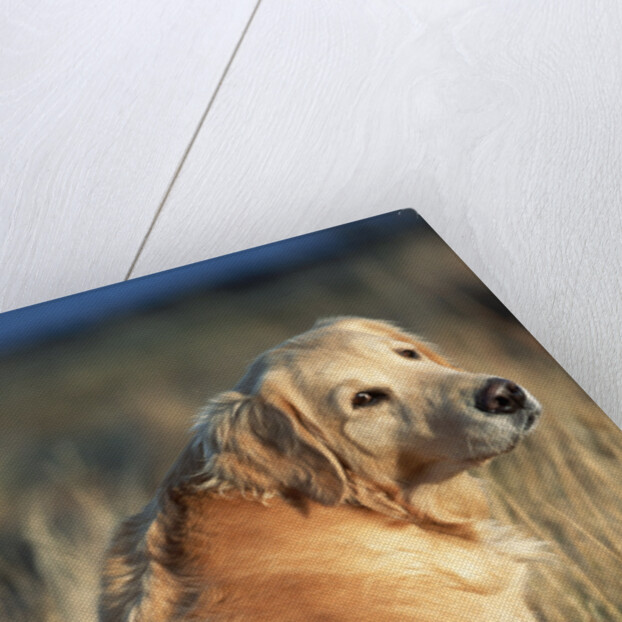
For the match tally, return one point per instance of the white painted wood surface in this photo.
(98, 102)
(500, 122)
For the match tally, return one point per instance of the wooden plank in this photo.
(499, 122)
(98, 102)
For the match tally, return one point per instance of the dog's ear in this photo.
(258, 445)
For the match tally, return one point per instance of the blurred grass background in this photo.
(90, 424)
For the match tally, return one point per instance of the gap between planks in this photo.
(184, 157)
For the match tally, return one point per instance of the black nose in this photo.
(500, 396)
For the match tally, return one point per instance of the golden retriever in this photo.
(332, 484)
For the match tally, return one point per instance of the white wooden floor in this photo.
(139, 136)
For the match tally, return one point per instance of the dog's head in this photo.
(356, 396)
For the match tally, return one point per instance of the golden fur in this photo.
(294, 502)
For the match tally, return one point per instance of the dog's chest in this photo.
(283, 563)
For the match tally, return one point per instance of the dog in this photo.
(332, 484)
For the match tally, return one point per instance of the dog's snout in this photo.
(500, 396)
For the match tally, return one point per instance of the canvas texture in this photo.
(343, 426)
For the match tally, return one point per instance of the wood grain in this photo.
(499, 122)
(98, 102)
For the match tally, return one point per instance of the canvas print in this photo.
(344, 426)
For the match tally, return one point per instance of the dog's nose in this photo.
(500, 396)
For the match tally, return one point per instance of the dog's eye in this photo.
(368, 398)
(408, 354)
